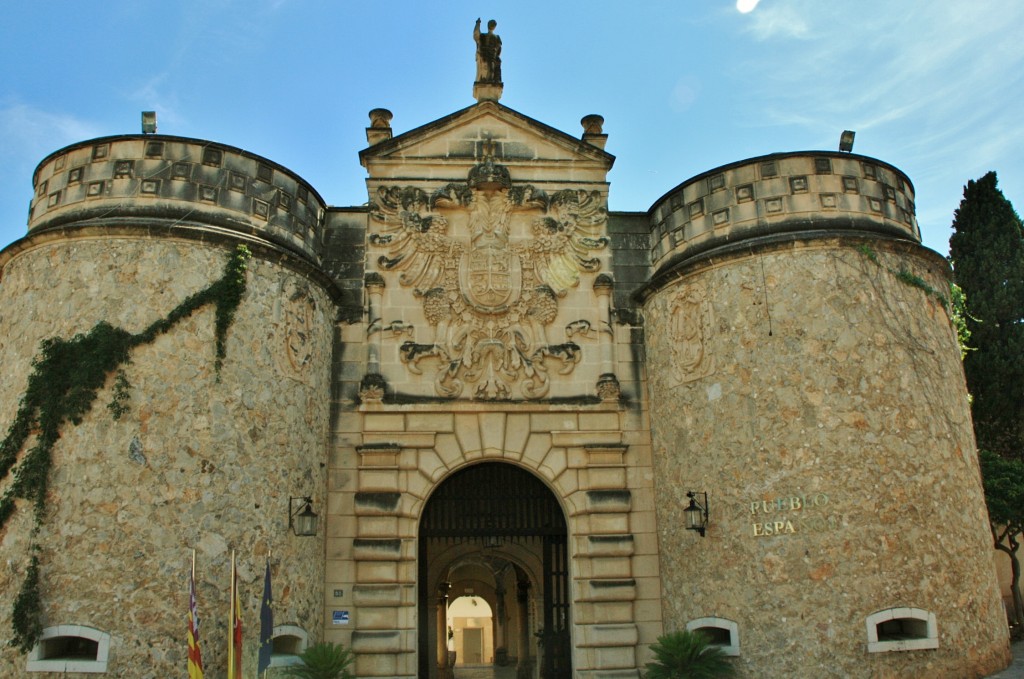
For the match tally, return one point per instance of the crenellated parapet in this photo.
(807, 191)
(177, 181)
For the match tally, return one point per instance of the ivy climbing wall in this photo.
(198, 459)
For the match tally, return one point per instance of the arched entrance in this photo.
(496, 531)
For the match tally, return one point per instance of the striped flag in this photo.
(195, 657)
(266, 625)
(235, 635)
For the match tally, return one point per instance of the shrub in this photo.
(688, 655)
(323, 661)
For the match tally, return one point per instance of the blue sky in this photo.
(935, 87)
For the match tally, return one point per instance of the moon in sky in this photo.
(746, 6)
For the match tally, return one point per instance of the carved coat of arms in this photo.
(691, 325)
(298, 310)
(488, 297)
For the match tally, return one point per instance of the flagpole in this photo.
(231, 622)
(269, 552)
(195, 658)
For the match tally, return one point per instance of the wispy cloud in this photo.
(927, 61)
(776, 21)
(926, 84)
(27, 132)
(152, 95)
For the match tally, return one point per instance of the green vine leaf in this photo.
(905, 276)
(27, 619)
(66, 377)
(118, 405)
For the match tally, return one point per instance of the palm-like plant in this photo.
(688, 655)
(322, 661)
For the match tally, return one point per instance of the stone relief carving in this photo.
(691, 322)
(298, 310)
(489, 297)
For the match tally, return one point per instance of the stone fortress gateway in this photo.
(490, 385)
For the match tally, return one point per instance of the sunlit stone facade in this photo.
(490, 385)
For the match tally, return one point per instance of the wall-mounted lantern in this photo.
(697, 513)
(302, 520)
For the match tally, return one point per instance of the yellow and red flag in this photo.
(195, 657)
(235, 633)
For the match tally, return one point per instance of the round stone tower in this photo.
(125, 231)
(804, 374)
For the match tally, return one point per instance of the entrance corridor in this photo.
(485, 672)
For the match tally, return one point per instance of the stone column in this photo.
(524, 670)
(444, 670)
(500, 651)
(607, 384)
(374, 324)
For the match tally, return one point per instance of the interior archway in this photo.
(494, 530)
(471, 627)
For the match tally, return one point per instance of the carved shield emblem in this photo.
(298, 316)
(491, 278)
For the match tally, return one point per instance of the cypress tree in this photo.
(987, 252)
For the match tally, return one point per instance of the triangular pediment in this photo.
(450, 146)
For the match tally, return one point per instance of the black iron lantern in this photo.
(697, 513)
(303, 520)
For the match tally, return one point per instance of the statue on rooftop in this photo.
(488, 53)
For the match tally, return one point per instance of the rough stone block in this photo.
(537, 448)
(592, 636)
(603, 477)
(604, 612)
(492, 431)
(551, 422)
(609, 545)
(517, 431)
(378, 595)
(377, 618)
(598, 422)
(467, 430)
(376, 549)
(608, 590)
(376, 526)
(585, 438)
(380, 480)
(608, 500)
(383, 422)
(609, 524)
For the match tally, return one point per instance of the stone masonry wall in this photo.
(814, 371)
(195, 463)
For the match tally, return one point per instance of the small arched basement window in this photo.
(723, 633)
(901, 629)
(289, 642)
(70, 648)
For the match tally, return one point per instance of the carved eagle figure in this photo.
(565, 237)
(563, 241)
(418, 244)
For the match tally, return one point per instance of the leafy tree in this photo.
(688, 655)
(958, 309)
(322, 661)
(1003, 480)
(987, 252)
